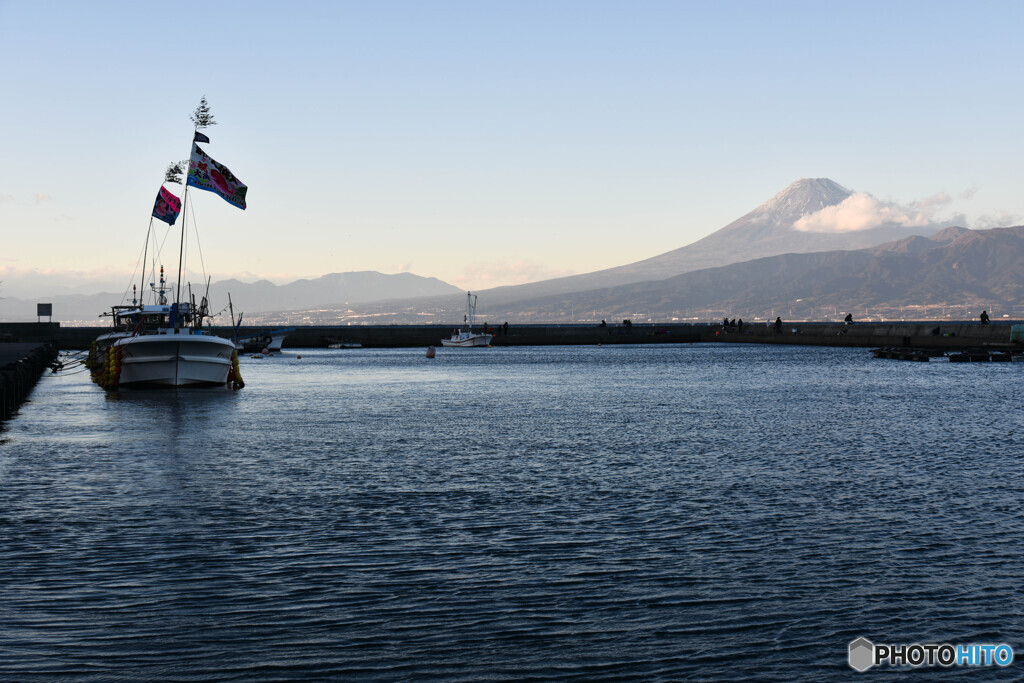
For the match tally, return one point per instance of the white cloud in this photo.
(43, 198)
(861, 211)
(1000, 220)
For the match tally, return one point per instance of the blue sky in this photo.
(486, 143)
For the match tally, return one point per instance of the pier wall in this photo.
(931, 335)
(925, 335)
(21, 364)
(394, 336)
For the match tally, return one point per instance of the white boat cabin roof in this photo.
(134, 311)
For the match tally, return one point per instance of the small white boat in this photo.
(467, 337)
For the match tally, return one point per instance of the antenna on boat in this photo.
(162, 292)
(204, 303)
(202, 117)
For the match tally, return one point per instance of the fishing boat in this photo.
(164, 344)
(259, 340)
(466, 336)
(263, 340)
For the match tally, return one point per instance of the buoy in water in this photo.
(298, 357)
(431, 352)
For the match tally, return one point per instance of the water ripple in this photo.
(606, 513)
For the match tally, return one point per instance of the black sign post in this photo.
(44, 309)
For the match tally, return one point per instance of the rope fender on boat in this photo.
(234, 373)
(117, 367)
(90, 359)
(110, 374)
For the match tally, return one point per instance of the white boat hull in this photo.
(174, 360)
(464, 340)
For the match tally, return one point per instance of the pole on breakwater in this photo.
(20, 368)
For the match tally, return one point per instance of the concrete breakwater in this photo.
(20, 368)
(395, 336)
(922, 335)
(928, 335)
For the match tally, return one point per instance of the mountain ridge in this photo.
(955, 269)
(767, 230)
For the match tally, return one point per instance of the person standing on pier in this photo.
(984, 317)
(778, 324)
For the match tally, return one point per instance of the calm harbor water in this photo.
(591, 513)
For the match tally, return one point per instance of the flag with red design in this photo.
(207, 174)
(167, 207)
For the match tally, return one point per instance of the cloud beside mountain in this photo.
(861, 211)
(812, 215)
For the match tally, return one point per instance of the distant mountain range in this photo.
(784, 257)
(960, 270)
(953, 273)
(768, 230)
(334, 290)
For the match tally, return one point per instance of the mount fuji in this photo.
(768, 230)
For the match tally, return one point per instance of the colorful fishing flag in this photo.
(167, 206)
(199, 137)
(207, 174)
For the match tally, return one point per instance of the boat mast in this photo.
(145, 253)
(201, 118)
(181, 255)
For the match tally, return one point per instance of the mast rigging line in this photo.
(199, 245)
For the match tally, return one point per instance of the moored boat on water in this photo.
(148, 349)
(261, 340)
(270, 340)
(165, 345)
(466, 337)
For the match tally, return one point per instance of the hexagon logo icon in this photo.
(862, 654)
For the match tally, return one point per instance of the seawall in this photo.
(21, 364)
(924, 335)
(930, 335)
(395, 336)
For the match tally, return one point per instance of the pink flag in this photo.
(167, 206)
